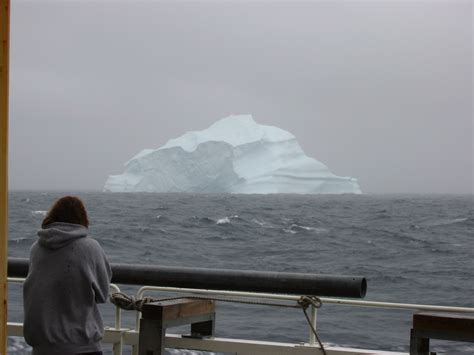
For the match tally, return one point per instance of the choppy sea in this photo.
(411, 249)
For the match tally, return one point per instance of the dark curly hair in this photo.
(68, 209)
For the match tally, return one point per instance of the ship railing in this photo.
(119, 336)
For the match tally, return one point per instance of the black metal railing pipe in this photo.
(223, 279)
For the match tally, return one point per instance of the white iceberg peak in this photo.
(235, 130)
(234, 154)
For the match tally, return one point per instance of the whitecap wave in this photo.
(17, 240)
(227, 219)
(224, 220)
(296, 227)
(39, 213)
(447, 222)
(262, 223)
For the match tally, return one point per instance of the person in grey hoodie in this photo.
(68, 277)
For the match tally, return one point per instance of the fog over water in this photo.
(381, 91)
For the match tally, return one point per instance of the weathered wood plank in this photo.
(173, 309)
(4, 87)
(151, 338)
(157, 316)
(445, 322)
(441, 325)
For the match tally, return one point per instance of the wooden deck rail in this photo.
(4, 80)
(442, 325)
(158, 316)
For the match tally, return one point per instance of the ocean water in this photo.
(411, 249)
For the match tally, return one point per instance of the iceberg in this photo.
(233, 155)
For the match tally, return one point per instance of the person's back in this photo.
(68, 276)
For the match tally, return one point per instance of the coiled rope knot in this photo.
(129, 303)
(306, 301)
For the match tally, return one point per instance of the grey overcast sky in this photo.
(381, 91)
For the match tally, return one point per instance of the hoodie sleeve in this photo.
(102, 275)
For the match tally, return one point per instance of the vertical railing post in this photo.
(313, 318)
(4, 76)
(117, 347)
(137, 329)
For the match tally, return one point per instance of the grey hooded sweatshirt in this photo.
(68, 276)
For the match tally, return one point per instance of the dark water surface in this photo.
(411, 249)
